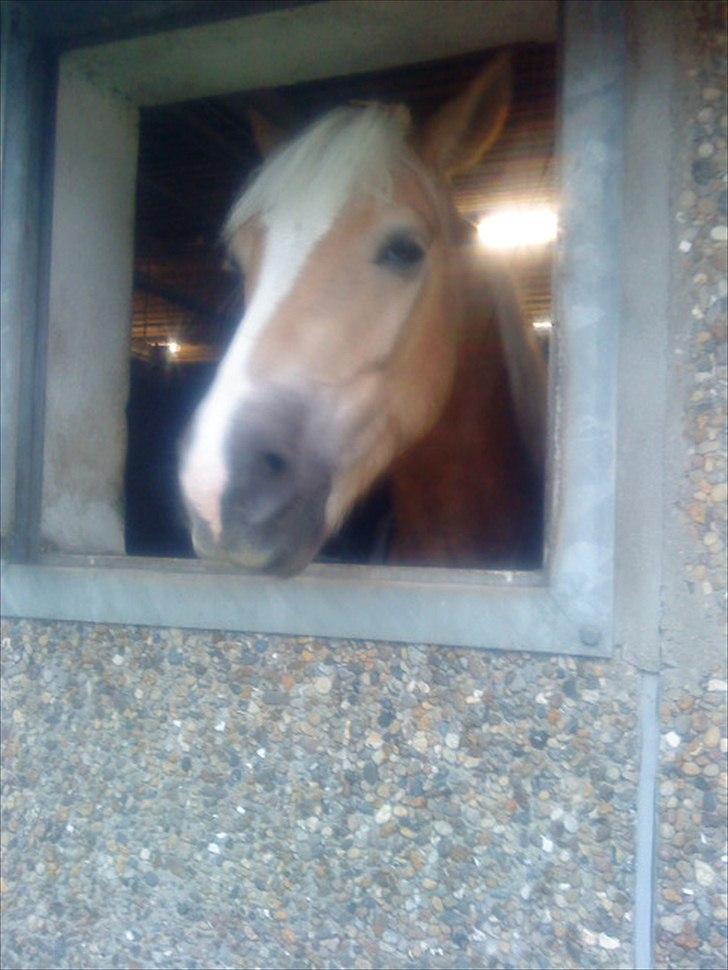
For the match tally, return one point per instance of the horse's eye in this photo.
(400, 253)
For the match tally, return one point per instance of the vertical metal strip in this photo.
(587, 290)
(30, 97)
(645, 828)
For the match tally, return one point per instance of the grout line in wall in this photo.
(645, 826)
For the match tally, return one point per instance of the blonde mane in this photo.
(349, 150)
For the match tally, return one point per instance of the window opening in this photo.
(188, 300)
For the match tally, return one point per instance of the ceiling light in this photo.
(518, 227)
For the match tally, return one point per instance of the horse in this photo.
(376, 342)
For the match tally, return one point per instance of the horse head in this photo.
(346, 352)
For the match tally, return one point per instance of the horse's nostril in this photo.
(274, 463)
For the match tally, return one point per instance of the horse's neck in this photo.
(492, 287)
(466, 494)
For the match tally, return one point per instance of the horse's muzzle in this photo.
(271, 514)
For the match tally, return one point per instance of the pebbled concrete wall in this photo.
(180, 799)
(691, 855)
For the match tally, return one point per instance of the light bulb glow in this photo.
(518, 227)
(173, 347)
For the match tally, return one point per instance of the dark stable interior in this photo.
(193, 159)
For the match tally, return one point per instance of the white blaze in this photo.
(205, 474)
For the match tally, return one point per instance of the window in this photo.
(193, 159)
(77, 569)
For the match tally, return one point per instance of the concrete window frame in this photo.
(64, 555)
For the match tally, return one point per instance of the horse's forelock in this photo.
(349, 150)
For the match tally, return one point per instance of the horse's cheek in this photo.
(421, 389)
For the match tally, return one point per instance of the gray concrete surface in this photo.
(88, 328)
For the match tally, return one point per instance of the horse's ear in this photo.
(463, 130)
(266, 134)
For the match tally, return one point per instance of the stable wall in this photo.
(177, 798)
